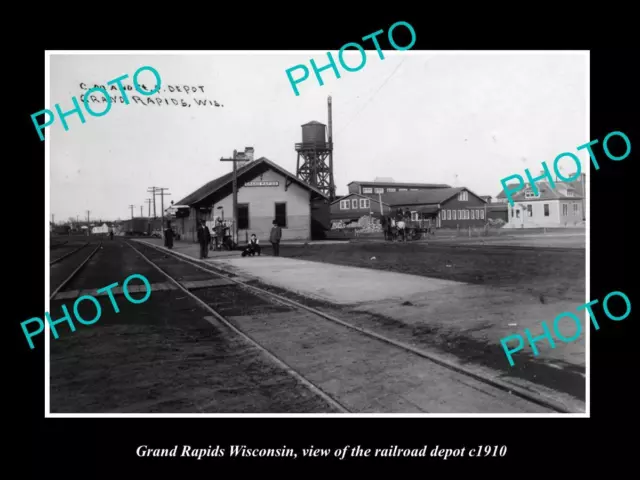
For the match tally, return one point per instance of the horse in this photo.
(401, 230)
(388, 228)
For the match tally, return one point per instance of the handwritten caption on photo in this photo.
(340, 453)
(67, 317)
(363, 60)
(116, 81)
(191, 91)
(556, 323)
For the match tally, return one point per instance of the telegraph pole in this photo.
(131, 207)
(88, 212)
(153, 191)
(148, 200)
(162, 194)
(53, 218)
(141, 215)
(235, 193)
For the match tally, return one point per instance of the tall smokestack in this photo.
(332, 188)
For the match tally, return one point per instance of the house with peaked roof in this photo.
(448, 207)
(562, 206)
(266, 192)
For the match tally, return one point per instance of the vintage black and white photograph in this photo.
(226, 237)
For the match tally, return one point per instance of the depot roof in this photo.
(217, 184)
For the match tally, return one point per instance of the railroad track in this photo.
(58, 244)
(78, 268)
(68, 254)
(353, 369)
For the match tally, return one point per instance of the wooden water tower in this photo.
(316, 153)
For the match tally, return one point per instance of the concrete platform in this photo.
(333, 283)
(485, 314)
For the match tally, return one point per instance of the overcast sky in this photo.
(414, 116)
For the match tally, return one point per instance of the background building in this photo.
(497, 211)
(449, 207)
(563, 205)
(551, 207)
(354, 206)
(387, 185)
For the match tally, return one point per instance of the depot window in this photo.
(243, 216)
(281, 214)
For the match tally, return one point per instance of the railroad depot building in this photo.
(266, 192)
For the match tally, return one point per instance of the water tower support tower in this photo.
(313, 152)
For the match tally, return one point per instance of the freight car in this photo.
(137, 226)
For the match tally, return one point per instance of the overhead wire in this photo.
(372, 96)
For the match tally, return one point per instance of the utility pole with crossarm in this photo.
(235, 159)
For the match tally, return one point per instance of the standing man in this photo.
(168, 236)
(274, 238)
(204, 237)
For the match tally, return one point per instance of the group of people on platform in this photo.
(221, 239)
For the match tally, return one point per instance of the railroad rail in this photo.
(78, 268)
(374, 344)
(58, 244)
(68, 254)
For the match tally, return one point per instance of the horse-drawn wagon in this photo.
(406, 229)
